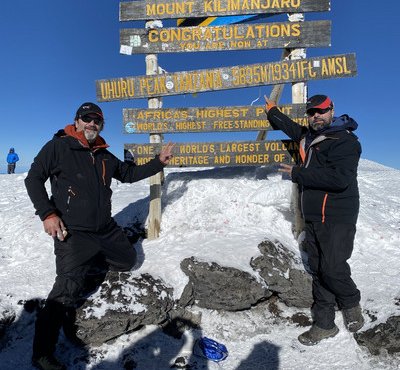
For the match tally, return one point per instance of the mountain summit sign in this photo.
(164, 9)
(335, 66)
(227, 37)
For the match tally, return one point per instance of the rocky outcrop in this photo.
(384, 337)
(225, 288)
(220, 288)
(123, 303)
(283, 274)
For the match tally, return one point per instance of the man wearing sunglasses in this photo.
(78, 217)
(327, 179)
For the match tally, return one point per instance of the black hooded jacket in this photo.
(80, 179)
(328, 176)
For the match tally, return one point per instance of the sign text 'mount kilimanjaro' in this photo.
(163, 9)
(208, 119)
(227, 37)
(335, 66)
(239, 153)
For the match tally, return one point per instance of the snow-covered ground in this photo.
(218, 215)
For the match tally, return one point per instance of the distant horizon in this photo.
(25, 168)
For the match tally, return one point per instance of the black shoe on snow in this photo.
(47, 363)
(353, 318)
(316, 334)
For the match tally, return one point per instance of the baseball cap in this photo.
(319, 102)
(87, 108)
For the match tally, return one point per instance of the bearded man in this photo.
(327, 180)
(77, 216)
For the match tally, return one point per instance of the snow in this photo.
(217, 215)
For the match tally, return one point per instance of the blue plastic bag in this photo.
(210, 349)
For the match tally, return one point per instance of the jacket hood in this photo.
(343, 122)
(70, 130)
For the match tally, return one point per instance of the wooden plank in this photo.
(243, 153)
(335, 66)
(208, 119)
(164, 9)
(232, 37)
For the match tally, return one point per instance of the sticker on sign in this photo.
(125, 49)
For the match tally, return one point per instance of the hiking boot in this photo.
(316, 334)
(70, 328)
(76, 341)
(353, 318)
(70, 335)
(47, 363)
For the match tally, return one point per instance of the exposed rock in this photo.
(123, 303)
(220, 288)
(6, 319)
(385, 336)
(179, 321)
(300, 319)
(283, 274)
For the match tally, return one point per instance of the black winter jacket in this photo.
(328, 176)
(80, 180)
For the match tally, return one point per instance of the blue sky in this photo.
(53, 52)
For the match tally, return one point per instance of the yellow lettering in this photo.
(176, 8)
(334, 66)
(222, 159)
(235, 5)
(117, 89)
(252, 159)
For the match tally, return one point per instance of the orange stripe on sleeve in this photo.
(104, 172)
(323, 207)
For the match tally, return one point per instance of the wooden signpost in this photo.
(209, 119)
(228, 38)
(335, 66)
(164, 9)
(237, 153)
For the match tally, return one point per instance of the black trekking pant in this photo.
(11, 168)
(329, 246)
(73, 261)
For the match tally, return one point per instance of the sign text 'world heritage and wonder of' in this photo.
(242, 153)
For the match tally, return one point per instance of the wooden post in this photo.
(299, 95)
(275, 96)
(154, 218)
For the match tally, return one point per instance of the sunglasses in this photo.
(87, 119)
(311, 112)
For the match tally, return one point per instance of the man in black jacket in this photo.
(78, 217)
(327, 179)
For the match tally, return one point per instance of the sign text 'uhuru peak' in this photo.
(335, 66)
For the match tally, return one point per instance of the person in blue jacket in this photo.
(327, 180)
(12, 159)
